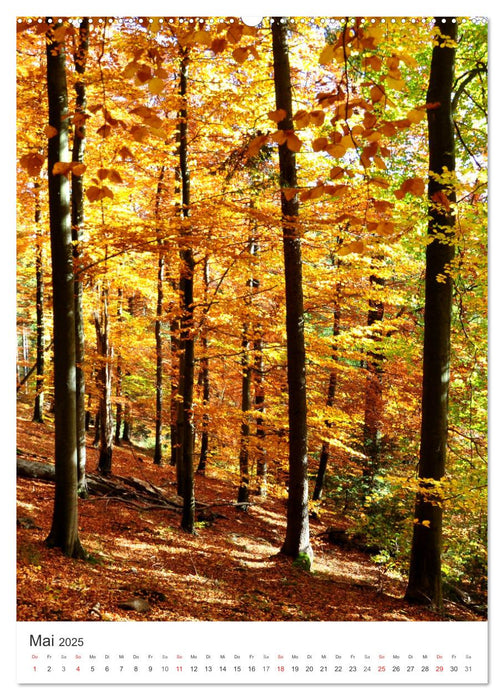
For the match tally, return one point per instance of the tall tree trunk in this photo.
(38, 410)
(373, 407)
(205, 380)
(77, 226)
(331, 393)
(104, 383)
(158, 451)
(243, 490)
(247, 367)
(259, 399)
(174, 383)
(185, 435)
(119, 404)
(424, 585)
(64, 528)
(297, 539)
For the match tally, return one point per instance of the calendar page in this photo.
(251, 369)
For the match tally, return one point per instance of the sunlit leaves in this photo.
(412, 185)
(32, 163)
(67, 169)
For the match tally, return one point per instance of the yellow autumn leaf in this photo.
(372, 62)
(327, 55)
(154, 24)
(114, 176)
(289, 193)
(50, 131)
(377, 93)
(294, 143)
(240, 54)
(302, 118)
(256, 144)
(32, 163)
(277, 115)
(78, 169)
(336, 150)
(279, 137)
(317, 117)
(353, 247)
(156, 86)
(415, 116)
(347, 141)
(395, 83)
(320, 143)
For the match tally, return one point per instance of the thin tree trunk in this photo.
(119, 404)
(243, 490)
(373, 405)
(77, 226)
(331, 393)
(158, 451)
(297, 539)
(38, 410)
(424, 585)
(64, 528)
(205, 380)
(104, 384)
(259, 399)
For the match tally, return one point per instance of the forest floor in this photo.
(229, 570)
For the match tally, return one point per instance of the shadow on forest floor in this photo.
(229, 570)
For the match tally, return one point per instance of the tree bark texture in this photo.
(158, 451)
(373, 404)
(331, 394)
(77, 227)
(205, 380)
(64, 528)
(424, 585)
(186, 387)
(297, 539)
(104, 384)
(38, 410)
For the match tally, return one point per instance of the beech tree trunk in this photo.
(158, 451)
(373, 407)
(331, 393)
(424, 585)
(297, 538)
(64, 528)
(205, 380)
(185, 431)
(38, 410)
(104, 384)
(77, 227)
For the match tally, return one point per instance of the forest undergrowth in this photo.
(142, 566)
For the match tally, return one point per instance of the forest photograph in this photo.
(251, 318)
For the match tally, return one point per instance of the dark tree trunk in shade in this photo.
(185, 423)
(38, 410)
(101, 321)
(331, 393)
(77, 227)
(297, 538)
(64, 527)
(424, 585)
